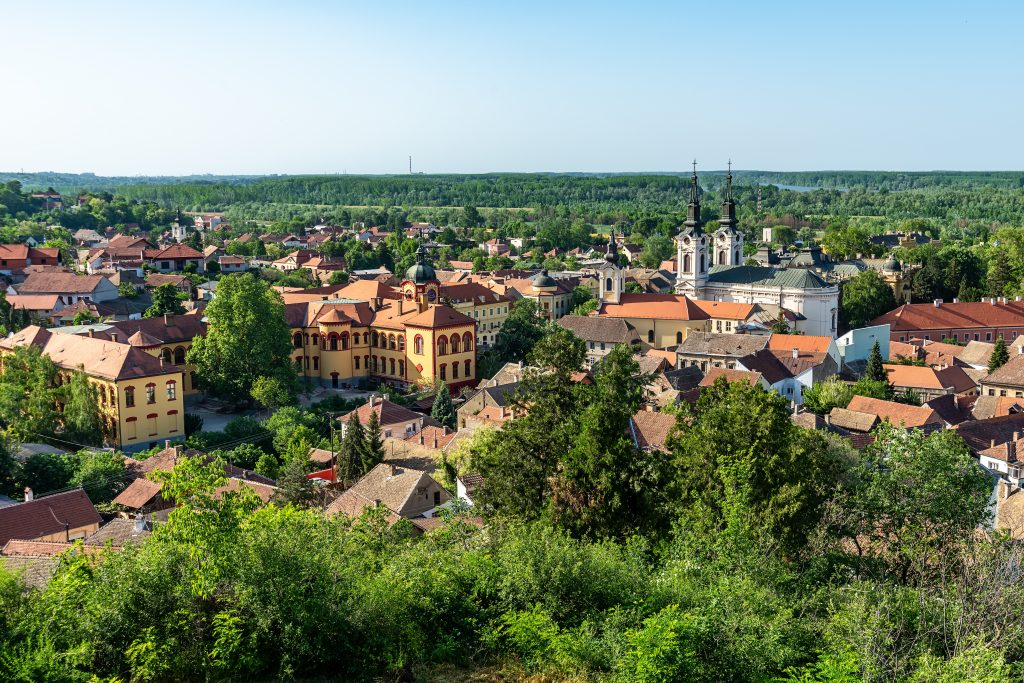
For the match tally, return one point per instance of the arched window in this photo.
(736, 261)
(373, 339)
(607, 284)
(721, 258)
(298, 362)
(307, 362)
(305, 339)
(401, 343)
(357, 362)
(150, 393)
(686, 263)
(166, 355)
(172, 390)
(392, 366)
(702, 267)
(650, 336)
(373, 363)
(444, 371)
(332, 341)
(455, 343)
(401, 368)
(455, 370)
(418, 344)
(391, 341)
(316, 339)
(366, 362)
(179, 355)
(297, 340)
(467, 342)
(469, 368)
(316, 362)
(442, 346)
(679, 337)
(344, 341)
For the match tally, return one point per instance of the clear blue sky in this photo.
(310, 87)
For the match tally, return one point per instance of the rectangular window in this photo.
(988, 336)
(150, 393)
(129, 429)
(152, 425)
(171, 391)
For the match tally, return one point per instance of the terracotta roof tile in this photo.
(654, 306)
(897, 413)
(652, 429)
(47, 515)
(963, 315)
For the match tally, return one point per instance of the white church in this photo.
(710, 267)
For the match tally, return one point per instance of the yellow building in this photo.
(487, 307)
(140, 395)
(409, 340)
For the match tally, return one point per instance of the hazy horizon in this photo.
(315, 87)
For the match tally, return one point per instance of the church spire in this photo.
(728, 219)
(693, 222)
(612, 253)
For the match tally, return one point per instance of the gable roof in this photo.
(174, 251)
(1011, 373)
(598, 329)
(852, 420)
(803, 342)
(982, 434)
(976, 353)
(60, 283)
(730, 375)
(919, 377)
(440, 316)
(654, 306)
(960, 315)
(390, 484)
(651, 429)
(721, 344)
(388, 413)
(897, 413)
(725, 309)
(47, 515)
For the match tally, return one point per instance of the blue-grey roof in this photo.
(796, 278)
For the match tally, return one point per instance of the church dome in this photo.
(421, 272)
(891, 266)
(544, 281)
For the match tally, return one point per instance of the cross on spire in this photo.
(695, 167)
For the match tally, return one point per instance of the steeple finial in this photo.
(694, 199)
(728, 183)
(612, 253)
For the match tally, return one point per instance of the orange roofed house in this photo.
(140, 396)
(412, 339)
(14, 258)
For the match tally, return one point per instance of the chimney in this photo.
(28, 495)
(161, 361)
(501, 412)
(421, 438)
(796, 353)
(992, 301)
(1016, 436)
(113, 337)
(956, 300)
(91, 332)
(938, 303)
(992, 443)
(392, 469)
(828, 420)
(167, 443)
(167, 320)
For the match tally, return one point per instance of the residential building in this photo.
(489, 406)
(175, 259)
(232, 264)
(650, 430)
(69, 287)
(601, 335)
(140, 397)
(495, 247)
(708, 350)
(395, 421)
(964, 321)
(982, 434)
(552, 296)
(403, 492)
(63, 517)
(794, 363)
(930, 382)
(976, 355)
(1007, 380)
(855, 346)
(897, 414)
(14, 258)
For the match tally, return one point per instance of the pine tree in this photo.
(350, 454)
(373, 444)
(293, 486)
(443, 410)
(998, 273)
(999, 355)
(874, 370)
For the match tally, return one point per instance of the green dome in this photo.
(420, 273)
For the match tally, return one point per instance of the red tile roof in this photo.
(47, 515)
(654, 306)
(897, 413)
(963, 315)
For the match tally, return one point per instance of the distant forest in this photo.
(948, 196)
